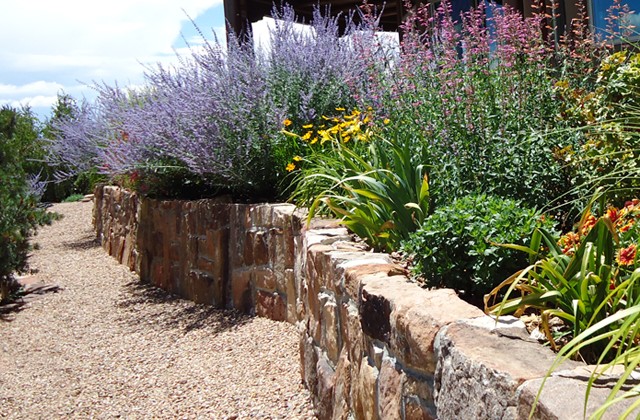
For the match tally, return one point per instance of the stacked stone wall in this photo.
(373, 345)
(115, 220)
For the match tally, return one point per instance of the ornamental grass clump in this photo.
(362, 177)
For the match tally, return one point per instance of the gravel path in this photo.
(105, 346)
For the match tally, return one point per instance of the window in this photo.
(599, 11)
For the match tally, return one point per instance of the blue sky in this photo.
(66, 45)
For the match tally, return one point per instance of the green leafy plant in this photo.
(73, 198)
(457, 246)
(368, 181)
(585, 277)
(19, 211)
(608, 119)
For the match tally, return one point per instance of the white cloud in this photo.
(32, 102)
(38, 94)
(55, 45)
(30, 89)
(79, 28)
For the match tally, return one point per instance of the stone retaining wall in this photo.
(373, 345)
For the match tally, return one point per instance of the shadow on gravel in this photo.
(7, 310)
(24, 296)
(82, 244)
(175, 313)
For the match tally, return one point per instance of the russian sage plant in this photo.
(213, 121)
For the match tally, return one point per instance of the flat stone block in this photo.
(241, 290)
(563, 398)
(271, 305)
(418, 315)
(354, 273)
(390, 384)
(265, 279)
(336, 261)
(479, 372)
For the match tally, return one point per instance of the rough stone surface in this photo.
(418, 397)
(375, 309)
(563, 398)
(342, 388)
(308, 363)
(326, 385)
(241, 293)
(416, 409)
(390, 383)
(470, 355)
(408, 317)
(271, 305)
(329, 325)
(365, 391)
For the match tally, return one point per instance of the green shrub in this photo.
(73, 198)
(608, 118)
(456, 246)
(19, 211)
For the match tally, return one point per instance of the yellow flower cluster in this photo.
(354, 126)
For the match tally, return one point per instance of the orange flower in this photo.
(588, 224)
(626, 227)
(290, 167)
(627, 255)
(613, 214)
(569, 243)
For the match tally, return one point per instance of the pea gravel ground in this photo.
(105, 346)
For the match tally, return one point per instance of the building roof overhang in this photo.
(240, 13)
